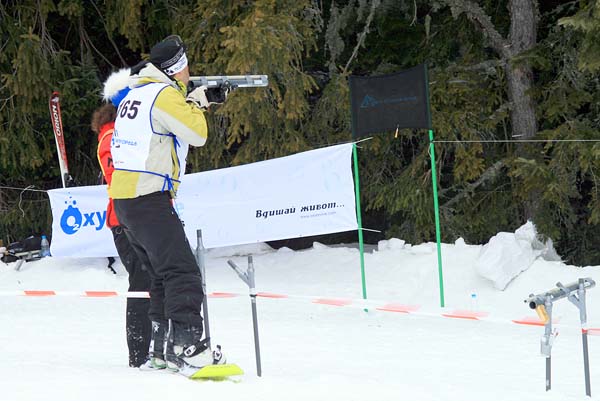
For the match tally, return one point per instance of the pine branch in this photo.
(108, 35)
(487, 175)
(363, 35)
(475, 13)
(46, 40)
(89, 44)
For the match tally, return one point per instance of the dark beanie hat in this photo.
(169, 55)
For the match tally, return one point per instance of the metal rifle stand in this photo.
(579, 301)
(201, 265)
(546, 343)
(542, 303)
(248, 278)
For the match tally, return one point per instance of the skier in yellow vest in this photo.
(155, 122)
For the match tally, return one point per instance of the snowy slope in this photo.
(69, 347)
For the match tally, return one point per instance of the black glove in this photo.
(219, 94)
(70, 181)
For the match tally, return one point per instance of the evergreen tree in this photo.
(491, 77)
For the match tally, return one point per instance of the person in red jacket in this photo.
(138, 324)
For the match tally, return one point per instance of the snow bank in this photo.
(391, 244)
(506, 255)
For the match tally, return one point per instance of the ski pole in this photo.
(200, 261)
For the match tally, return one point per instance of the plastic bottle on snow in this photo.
(45, 247)
(474, 306)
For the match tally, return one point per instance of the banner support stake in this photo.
(436, 207)
(359, 221)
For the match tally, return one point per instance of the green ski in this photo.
(217, 372)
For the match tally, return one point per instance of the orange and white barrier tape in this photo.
(337, 302)
(89, 294)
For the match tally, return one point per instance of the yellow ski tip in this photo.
(218, 371)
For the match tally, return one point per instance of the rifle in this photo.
(218, 86)
(230, 81)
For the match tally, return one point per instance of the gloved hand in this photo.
(198, 96)
(218, 95)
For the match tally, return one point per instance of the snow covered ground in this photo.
(68, 347)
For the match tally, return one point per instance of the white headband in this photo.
(178, 66)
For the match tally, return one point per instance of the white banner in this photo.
(309, 193)
(78, 222)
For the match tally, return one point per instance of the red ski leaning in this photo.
(57, 127)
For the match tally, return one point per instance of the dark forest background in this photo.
(499, 70)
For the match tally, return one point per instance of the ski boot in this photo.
(187, 353)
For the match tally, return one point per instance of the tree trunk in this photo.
(522, 37)
(523, 33)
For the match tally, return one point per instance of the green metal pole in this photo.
(438, 235)
(436, 207)
(359, 220)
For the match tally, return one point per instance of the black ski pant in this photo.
(138, 327)
(156, 233)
